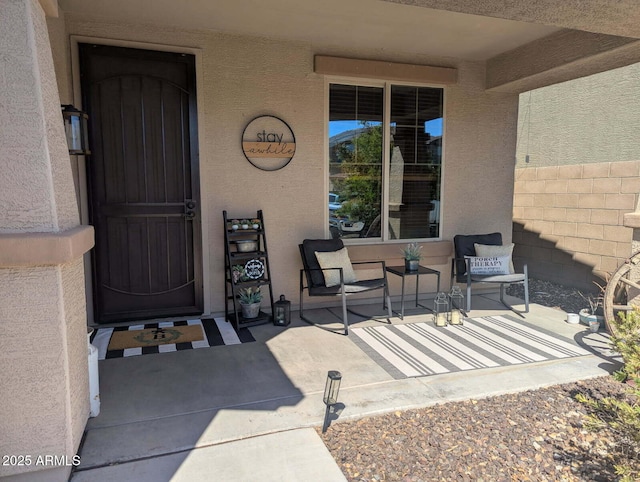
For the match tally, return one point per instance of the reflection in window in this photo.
(355, 159)
(357, 163)
(415, 157)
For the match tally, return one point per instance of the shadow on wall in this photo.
(548, 262)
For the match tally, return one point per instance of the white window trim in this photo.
(386, 120)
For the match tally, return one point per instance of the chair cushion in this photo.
(356, 287)
(309, 248)
(336, 259)
(503, 278)
(486, 250)
(486, 265)
(464, 246)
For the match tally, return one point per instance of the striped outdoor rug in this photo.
(214, 332)
(422, 349)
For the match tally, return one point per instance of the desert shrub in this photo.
(622, 416)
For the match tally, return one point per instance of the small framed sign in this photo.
(254, 269)
(268, 143)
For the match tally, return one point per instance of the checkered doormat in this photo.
(166, 337)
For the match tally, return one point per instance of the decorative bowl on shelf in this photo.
(246, 245)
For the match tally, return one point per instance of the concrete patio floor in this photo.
(247, 412)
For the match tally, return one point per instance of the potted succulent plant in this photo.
(244, 224)
(238, 272)
(412, 255)
(593, 316)
(250, 299)
(235, 224)
(255, 223)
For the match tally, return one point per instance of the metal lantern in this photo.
(456, 302)
(330, 398)
(76, 129)
(441, 309)
(282, 312)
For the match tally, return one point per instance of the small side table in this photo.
(403, 273)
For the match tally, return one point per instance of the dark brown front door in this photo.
(143, 182)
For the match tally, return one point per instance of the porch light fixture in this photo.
(282, 312)
(456, 302)
(330, 398)
(76, 129)
(441, 309)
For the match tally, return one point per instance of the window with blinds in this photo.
(372, 153)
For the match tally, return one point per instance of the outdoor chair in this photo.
(482, 258)
(328, 271)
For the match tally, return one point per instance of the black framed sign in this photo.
(268, 143)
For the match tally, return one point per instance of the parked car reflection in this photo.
(340, 226)
(334, 202)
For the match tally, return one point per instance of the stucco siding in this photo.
(591, 120)
(75, 323)
(43, 350)
(34, 410)
(243, 77)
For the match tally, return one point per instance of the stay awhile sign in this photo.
(268, 143)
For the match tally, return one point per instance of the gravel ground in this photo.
(547, 293)
(531, 436)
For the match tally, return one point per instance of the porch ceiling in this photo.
(526, 45)
(356, 24)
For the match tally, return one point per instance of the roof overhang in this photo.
(525, 44)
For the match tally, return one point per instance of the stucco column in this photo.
(43, 346)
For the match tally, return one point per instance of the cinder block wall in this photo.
(568, 219)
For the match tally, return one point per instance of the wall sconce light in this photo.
(330, 398)
(76, 129)
(282, 312)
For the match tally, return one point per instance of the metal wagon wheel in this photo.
(618, 294)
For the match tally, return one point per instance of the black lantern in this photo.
(330, 398)
(76, 129)
(282, 312)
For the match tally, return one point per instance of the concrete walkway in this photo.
(250, 412)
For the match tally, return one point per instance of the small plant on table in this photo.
(412, 255)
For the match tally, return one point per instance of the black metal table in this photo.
(403, 273)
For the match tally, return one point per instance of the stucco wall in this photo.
(43, 347)
(577, 175)
(590, 120)
(43, 362)
(242, 77)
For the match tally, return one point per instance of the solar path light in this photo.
(330, 398)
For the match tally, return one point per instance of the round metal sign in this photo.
(268, 143)
(254, 269)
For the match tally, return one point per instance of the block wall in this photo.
(568, 220)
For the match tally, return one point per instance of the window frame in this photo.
(386, 156)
